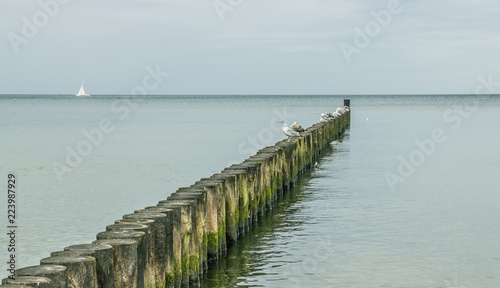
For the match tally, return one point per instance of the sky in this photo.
(248, 46)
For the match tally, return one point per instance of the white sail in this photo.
(81, 92)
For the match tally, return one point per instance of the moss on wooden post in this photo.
(210, 239)
(173, 273)
(215, 190)
(200, 196)
(190, 259)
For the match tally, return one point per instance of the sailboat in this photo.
(81, 92)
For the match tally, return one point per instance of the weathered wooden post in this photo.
(258, 201)
(139, 237)
(248, 200)
(267, 161)
(79, 253)
(190, 257)
(103, 255)
(200, 196)
(82, 271)
(232, 201)
(148, 277)
(124, 261)
(159, 233)
(347, 102)
(58, 274)
(273, 155)
(173, 241)
(216, 236)
(243, 212)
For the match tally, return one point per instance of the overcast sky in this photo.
(249, 46)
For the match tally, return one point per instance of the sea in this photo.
(410, 198)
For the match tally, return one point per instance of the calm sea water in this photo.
(409, 199)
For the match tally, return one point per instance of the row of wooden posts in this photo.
(172, 244)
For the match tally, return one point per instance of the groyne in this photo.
(173, 243)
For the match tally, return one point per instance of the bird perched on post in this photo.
(297, 128)
(289, 131)
(324, 118)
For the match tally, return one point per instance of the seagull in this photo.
(324, 118)
(340, 110)
(297, 128)
(336, 142)
(289, 131)
(330, 115)
(346, 108)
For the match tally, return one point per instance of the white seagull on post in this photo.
(297, 128)
(289, 131)
(325, 117)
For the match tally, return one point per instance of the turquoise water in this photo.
(359, 220)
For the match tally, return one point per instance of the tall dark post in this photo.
(347, 102)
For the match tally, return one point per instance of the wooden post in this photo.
(148, 277)
(200, 196)
(347, 102)
(141, 250)
(103, 255)
(58, 274)
(159, 232)
(124, 261)
(190, 257)
(216, 230)
(81, 270)
(173, 241)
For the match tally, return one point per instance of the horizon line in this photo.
(381, 94)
